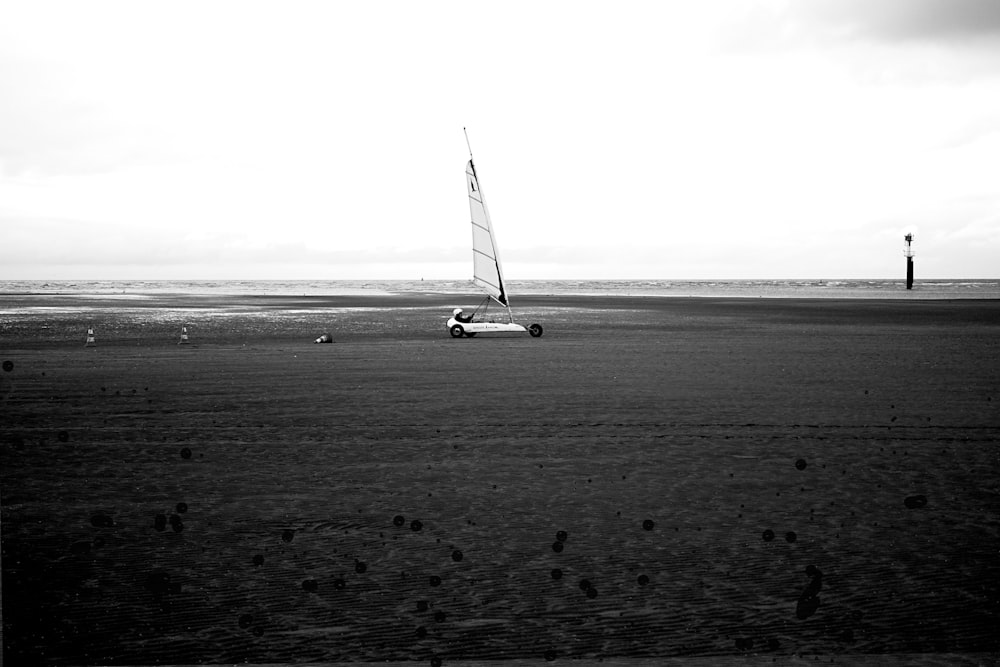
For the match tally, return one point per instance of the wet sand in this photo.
(732, 477)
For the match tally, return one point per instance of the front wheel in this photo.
(457, 331)
(535, 330)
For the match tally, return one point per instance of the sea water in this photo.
(818, 288)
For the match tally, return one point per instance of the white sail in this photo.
(486, 260)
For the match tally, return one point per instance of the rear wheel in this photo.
(457, 331)
(535, 330)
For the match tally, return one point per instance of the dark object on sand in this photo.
(809, 598)
(325, 338)
(915, 502)
(158, 583)
(8, 366)
(81, 548)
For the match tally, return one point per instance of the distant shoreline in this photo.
(518, 289)
(11, 302)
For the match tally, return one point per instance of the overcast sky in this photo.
(323, 140)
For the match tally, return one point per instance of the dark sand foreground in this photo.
(775, 478)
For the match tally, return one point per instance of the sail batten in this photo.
(487, 273)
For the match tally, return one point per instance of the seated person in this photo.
(459, 317)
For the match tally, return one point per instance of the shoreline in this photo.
(382, 299)
(376, 295)
(747, 288)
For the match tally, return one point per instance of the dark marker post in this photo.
(908, 253)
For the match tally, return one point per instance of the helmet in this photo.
(457, 311)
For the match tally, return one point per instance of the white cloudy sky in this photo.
(708, 139)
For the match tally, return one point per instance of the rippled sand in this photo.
(653, 478)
